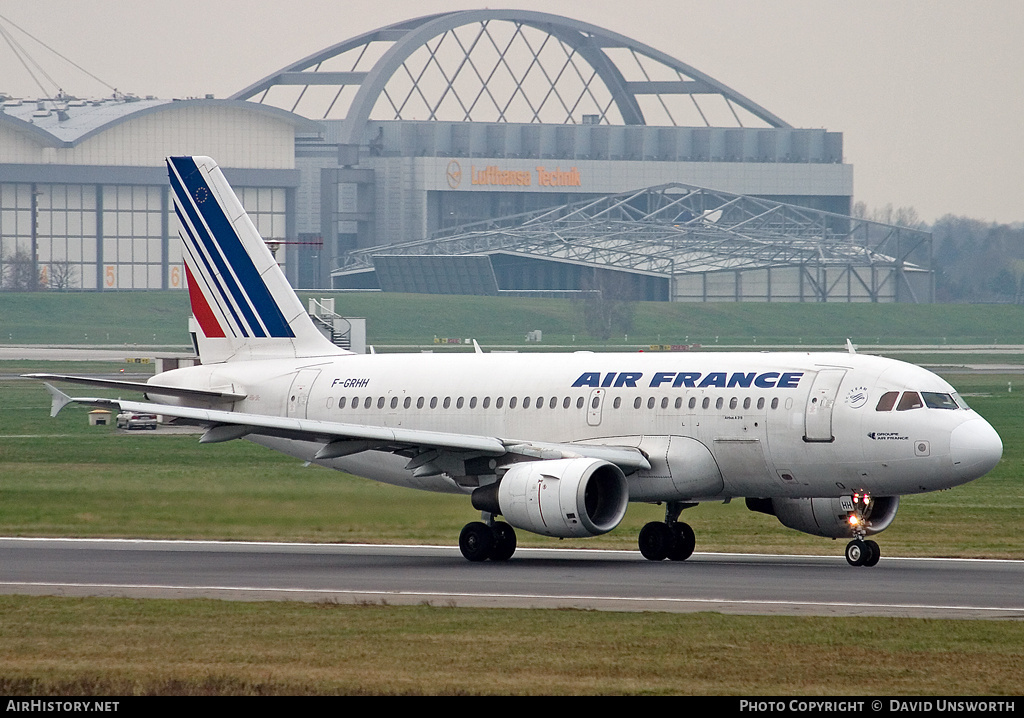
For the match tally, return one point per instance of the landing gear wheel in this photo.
(685, 540)
(476, 541)
(862, 553)
(857, 552)
(876, 553)
(657, 541)
(504, 541)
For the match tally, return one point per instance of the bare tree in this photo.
(62, 275)
(19, 273)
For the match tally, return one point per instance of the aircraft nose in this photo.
(975, 448)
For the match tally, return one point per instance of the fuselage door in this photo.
(820, 402)
(594, 407)
(298, 395)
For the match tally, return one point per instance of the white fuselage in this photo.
(713, 425)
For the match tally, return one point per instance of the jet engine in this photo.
(566, 498)
(827, 517)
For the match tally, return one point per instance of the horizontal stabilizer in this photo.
(58, 399)
(206, 395)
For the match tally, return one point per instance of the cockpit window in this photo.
(935, 400)
(887, 401)
(960, 401)
(909, 400)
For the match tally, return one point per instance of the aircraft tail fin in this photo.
(242, 303)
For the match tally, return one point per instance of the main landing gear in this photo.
(861, 552)
(495, 540)
(670, 539)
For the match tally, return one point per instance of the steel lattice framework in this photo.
(502, 66)
(676, 229)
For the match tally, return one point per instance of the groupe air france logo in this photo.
(453, 174)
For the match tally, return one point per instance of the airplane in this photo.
(557, 444)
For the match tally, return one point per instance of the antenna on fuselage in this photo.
(849, 346)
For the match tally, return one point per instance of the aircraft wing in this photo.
(207, 395)
(341, 439)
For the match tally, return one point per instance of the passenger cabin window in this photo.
(887, 401)
(909, 400)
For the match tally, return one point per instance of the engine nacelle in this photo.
(566, 498)
(826, 517)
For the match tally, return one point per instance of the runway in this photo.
(534, 578)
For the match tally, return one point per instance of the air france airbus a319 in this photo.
(556, 444)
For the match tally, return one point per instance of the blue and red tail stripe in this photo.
(223, 258)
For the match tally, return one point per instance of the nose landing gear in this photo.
(861, 552)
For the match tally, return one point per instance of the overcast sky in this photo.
(929, 94)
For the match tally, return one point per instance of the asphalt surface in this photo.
(533, 578)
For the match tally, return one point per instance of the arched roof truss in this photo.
(502, 66)
(677, 228)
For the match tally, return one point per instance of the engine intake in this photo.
(565, 498)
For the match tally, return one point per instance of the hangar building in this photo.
(382, 148)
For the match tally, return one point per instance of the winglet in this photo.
(58, 399)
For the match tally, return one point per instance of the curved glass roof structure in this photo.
(503, 66)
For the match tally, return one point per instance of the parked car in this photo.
(132, 420)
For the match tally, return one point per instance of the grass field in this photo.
(133, 647)
(59, 477)
(160, 318)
